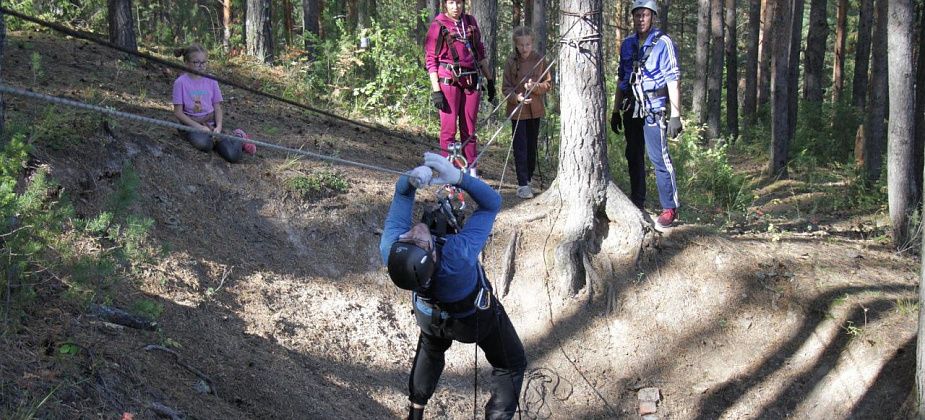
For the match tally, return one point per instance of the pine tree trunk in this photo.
(780, 89)
(352, 21)
(796, 41)
(288, 22)
(486, 14)
(363, 15)
(701, 60)
(517, 12)
(765, 48)
(259, 38)
(813, 77)
(750, 96)
(311, 13)
(900, 178)
(226, 25)
(596, 221)
(920, 111)
(862, 56)
(121, 24)
(732, 71)
(875, 121)
(528, 12)
(841, 37)
(2, 50)
(715, 77)
(665, 24)
(540, 26)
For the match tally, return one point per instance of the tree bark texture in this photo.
(311, 14)
(732, 71)
(765, 46)
(486, 14)
(259, 37)
(900, 145)
(528, 12)
(121, 24)
(841, 37)
(540, 28)
(920, 110)
(517, 13)
(796, 40)
(814, 67)
(664, 22)
(701, 60)
(2, 50)
(875, 122)
(226, 25)
(352, 14)
(780, 89)
(862, 56)
(288, 21)
(715, 76)
(596, 222)
(750, 96)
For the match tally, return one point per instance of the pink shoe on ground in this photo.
(249, 148)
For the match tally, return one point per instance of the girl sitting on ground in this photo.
(197, 102)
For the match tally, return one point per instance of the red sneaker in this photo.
(248, 147)
(667, 218)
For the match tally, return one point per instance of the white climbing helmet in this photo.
(648, 4)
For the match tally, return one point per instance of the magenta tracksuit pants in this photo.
(464, 110)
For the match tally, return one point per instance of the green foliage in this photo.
(148, 308)
(705, 177)
(37, 71)
(44, 240)
(825, 134)
(319, 184)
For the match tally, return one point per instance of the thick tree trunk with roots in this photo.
(900, 146)
(598, 228)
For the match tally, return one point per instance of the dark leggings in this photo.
(492, 330)
(229, 150)
(525, 135)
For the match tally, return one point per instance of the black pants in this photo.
(635, 157)
(492, 330)
(525, 135)
(228, 149)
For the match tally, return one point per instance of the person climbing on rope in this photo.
(438, 259)
(648, 103)
(197, 102)
(454, 56)
(526, 81)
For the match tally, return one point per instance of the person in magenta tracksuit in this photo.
(455, 60)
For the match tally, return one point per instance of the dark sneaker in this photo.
(667, 218)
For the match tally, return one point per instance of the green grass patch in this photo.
(321, 184)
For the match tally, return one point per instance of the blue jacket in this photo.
(456, 273)
(660, 68)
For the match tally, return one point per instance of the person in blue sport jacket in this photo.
(451, 296)
(648, 103)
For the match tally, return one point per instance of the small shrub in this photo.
(148, 308)
(320, 184)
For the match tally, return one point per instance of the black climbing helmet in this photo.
(410, 266)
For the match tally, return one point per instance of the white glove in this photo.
(446, 172)
(420, 176)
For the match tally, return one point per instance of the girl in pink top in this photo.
(455, 57)
(197, 102)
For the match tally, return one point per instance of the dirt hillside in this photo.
(280, 303)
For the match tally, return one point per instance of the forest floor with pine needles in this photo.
(272, 301)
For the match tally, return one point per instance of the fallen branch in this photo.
(118, 316)
(176, 359)
(508, 263)
(166, 412)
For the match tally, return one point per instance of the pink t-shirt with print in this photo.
(196, 95)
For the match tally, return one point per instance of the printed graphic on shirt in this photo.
(197, 95)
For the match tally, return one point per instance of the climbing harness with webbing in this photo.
(462, 77)
(643, 99)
